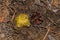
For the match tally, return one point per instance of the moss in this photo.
(22, 20)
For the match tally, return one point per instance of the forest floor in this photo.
(44, 16)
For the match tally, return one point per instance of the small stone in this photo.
(2, 35)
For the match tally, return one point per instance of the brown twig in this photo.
(51, 21)
(46, 33)
(13, 14)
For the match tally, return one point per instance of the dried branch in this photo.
(46, 33)
(51, 21)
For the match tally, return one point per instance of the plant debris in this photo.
(42, 17)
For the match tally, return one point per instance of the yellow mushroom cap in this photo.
(22, 20)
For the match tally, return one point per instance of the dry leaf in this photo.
(3, 14)
(54, 3)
